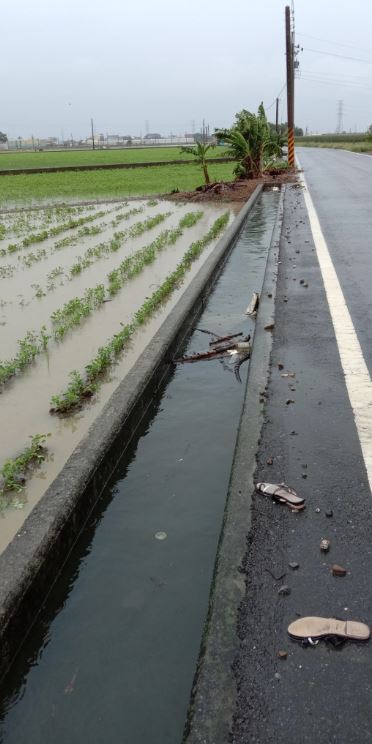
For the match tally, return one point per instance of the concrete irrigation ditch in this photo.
(30, 564)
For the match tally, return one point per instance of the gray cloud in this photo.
(174, 63)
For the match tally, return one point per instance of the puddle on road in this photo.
(120, 632)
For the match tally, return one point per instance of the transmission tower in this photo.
(340, 117)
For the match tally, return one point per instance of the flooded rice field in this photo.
(70, 279)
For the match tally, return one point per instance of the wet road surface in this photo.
(317, 694)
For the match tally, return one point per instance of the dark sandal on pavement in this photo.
(282, 493)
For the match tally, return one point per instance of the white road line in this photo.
(357, 377)
(363, 154)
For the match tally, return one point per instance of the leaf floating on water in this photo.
(160, 535)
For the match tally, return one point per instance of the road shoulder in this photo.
(317, 694)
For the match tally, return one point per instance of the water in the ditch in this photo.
(112, 657)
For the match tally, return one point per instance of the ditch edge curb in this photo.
(213, 696)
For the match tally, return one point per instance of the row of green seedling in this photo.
(14, 472)
(50, 233)
(73, 312)
(43, 218)
(96, 252)
(83, 386)
(33, 257)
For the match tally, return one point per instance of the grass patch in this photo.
(43, 187)
(84, 386)
(13, 160)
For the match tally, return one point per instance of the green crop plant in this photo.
(2, 231)
(72, 312)
(39, 292)
(28, 348)
(190, 219)
(76, 390)
(14, 471)
(34, 238)
(81, 387)
(97, 251)
(120, 217)
(52, 232)
(31, 258)
(6, 271)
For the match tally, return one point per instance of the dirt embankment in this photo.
(236, 191)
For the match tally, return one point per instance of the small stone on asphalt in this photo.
(338, 570)
(282, 654)
(325, 545)
(284, 590)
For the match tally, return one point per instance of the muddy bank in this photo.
(235, 191)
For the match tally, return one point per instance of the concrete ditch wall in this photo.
(214, 691)
(31, 563)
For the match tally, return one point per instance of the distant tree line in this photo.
(283, 129)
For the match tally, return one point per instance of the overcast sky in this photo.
(171, 64)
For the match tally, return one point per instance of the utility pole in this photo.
(91, 124)
(290, 86)
(277, 115)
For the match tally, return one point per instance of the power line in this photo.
(335, 43)
(267, 108)
(340, 76)
(333, 81)
(341, 56)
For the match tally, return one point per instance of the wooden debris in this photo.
(253, 305)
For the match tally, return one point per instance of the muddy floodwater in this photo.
(31, 289)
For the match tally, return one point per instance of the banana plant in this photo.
(199, 152)
(251, 143)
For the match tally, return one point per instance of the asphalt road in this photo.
(317, 694)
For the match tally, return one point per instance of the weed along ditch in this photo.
(112, 654)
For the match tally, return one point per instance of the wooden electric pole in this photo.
(277, 115)
(92, 126)
(290, 86)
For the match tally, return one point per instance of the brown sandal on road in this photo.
(324, 627)
(282, 493)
